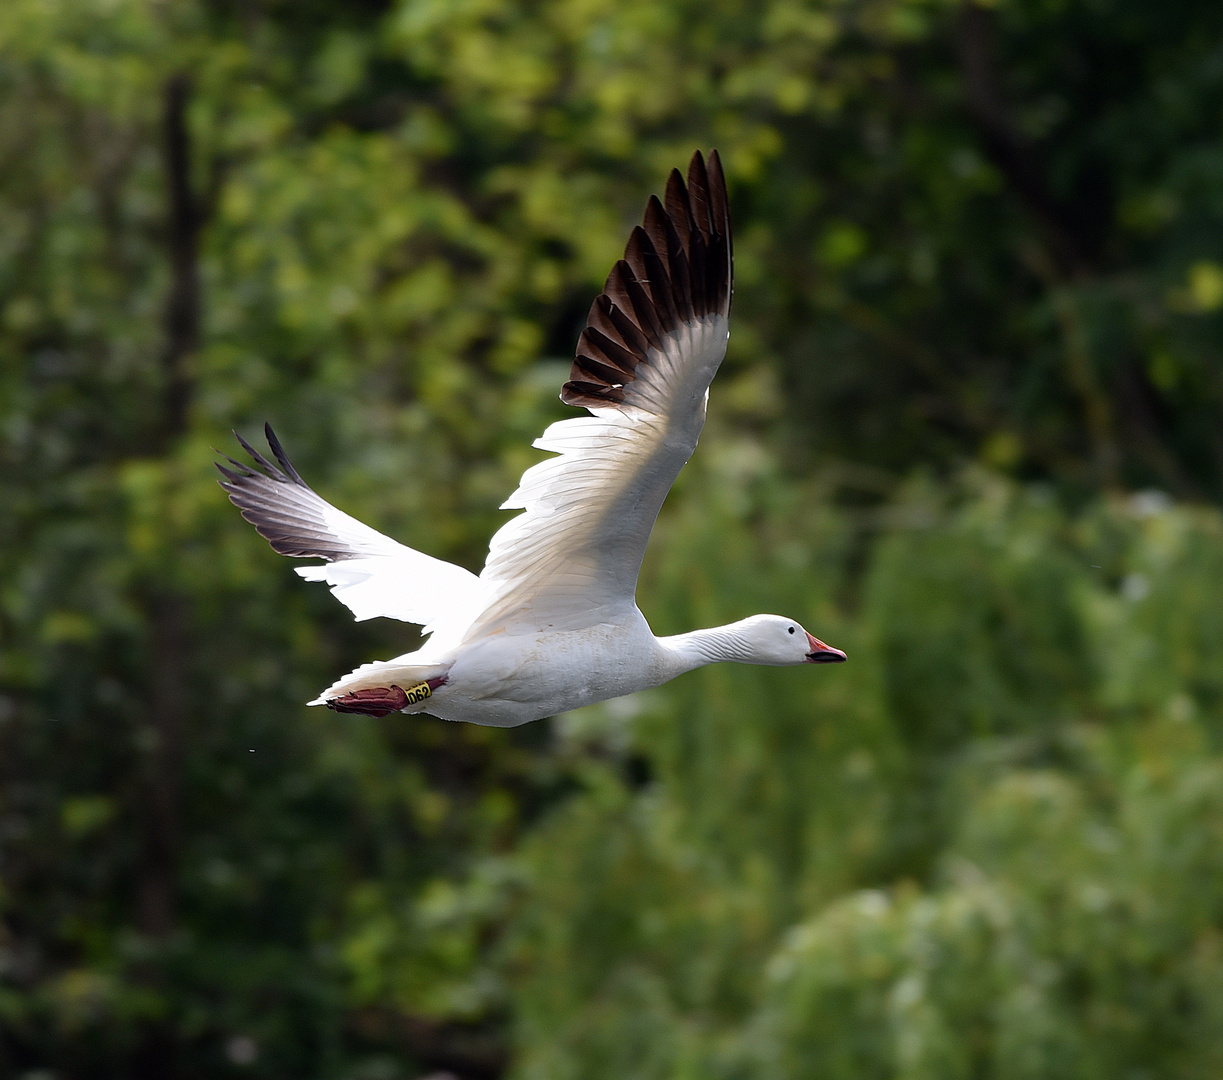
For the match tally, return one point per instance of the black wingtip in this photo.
(285, 474)
(231, 477)
(285, 512)
(281, 456)
(678, 264)
(265, 466)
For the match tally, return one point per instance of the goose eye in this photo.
(791, 629)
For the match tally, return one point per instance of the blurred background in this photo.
(968, 430)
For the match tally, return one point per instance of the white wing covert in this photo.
(653, 342)
(368, 572)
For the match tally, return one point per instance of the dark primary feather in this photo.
(677, 267)
(287, 513)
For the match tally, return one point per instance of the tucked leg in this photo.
(376, 701)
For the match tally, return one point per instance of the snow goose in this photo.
(552, 621)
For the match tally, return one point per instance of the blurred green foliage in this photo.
(980, 291)
(1005, 863)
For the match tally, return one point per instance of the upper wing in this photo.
(653, 341)
(370, 573)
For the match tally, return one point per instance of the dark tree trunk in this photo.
(185, 220)
(167, 704)
(167, 610)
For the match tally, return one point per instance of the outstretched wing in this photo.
(653, 341)
(370, 573)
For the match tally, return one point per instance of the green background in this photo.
(968, 430)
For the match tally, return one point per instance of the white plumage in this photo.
(552, 621)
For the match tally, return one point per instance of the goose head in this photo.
(779, 641)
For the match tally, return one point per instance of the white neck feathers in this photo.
(715, 645)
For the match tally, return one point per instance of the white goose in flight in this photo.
(552, 621)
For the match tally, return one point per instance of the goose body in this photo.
(552, 623)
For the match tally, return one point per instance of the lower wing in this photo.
(368, 572)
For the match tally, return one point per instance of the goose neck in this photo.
(713, 645)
